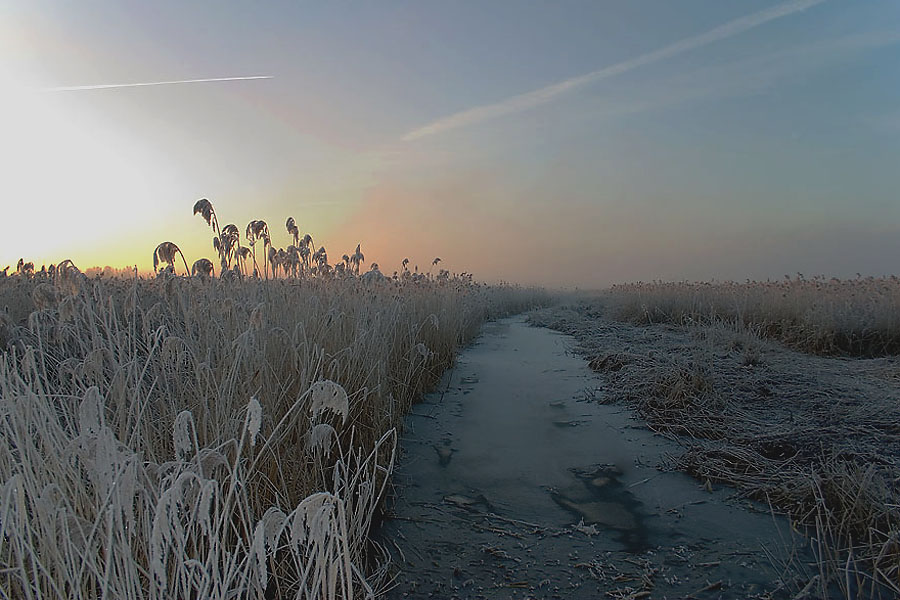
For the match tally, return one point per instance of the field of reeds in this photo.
(210, 436)
(857, 317)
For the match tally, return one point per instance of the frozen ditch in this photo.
(513, 484)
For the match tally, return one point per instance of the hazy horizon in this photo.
(578, 143)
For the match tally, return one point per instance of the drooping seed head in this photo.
(205, 208)
(203, 267)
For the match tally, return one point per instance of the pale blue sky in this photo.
(432, 129)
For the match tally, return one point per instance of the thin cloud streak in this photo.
(546, 94)
(110, 86)
(744, 76)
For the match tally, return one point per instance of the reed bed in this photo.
(858, 317)
(202, 437)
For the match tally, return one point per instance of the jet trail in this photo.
(111, 86)
(528, 100)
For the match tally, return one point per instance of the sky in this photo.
(570, 143)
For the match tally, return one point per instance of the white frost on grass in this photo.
(136, 468)
(330, 396)
(254, 419)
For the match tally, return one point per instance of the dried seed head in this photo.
(291, 226)
(202, 267)
(254, 419)
(183, 435)
(210, 460)
(205, 208)
(320, 439)
(45, 295)
(258, 550)
(311, 519)
(328, 395)
(90, 412)
(208, 495)
(273, 522)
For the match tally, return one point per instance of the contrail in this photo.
(543, 95)
(110, 86)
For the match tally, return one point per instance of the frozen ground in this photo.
(515, 482)
(817, 436)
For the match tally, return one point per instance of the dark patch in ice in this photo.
(572, 423)
(602, 499)
(444, 452)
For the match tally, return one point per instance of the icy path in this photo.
(511, 484)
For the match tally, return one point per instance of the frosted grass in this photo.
(201, 437)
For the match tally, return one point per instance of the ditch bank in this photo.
(817, 436)
(514, 482)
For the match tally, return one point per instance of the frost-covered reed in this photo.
(859, 317)
(211, 438)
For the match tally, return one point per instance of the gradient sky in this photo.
(562, 143)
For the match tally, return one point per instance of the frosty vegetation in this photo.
(859, 317)
(214, 436)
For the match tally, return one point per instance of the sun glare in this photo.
(66, 177)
